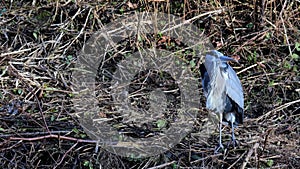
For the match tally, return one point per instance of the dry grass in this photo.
(39, 41)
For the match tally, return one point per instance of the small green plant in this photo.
(268, 35)
(75, 130)
(3, 10)
(295, 56)
(133, 157)
(52, 118)
(271, 83)
(174, 166)
(161, 123)
(192, 63)
(270, 163)
(69, 58)
(71, 94)
(160, 35)
(88, 164)
(35, 35)
(18, 91)
(253, 57)
(43, 15)
(297, 46)
(78, 133)
(140, 38)
(121, 11)
(250, 25)
(287, 65)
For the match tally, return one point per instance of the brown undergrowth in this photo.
(39, 44)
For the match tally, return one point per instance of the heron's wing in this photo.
(234, 88)
(205, 80)
(205, 84)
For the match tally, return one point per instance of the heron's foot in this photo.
(232, 142)
(219, 148)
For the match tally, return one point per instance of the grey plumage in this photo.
(223, 91)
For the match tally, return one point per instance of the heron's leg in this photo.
(232, 134)
(220, 133)
(220, 146)
(233, 140)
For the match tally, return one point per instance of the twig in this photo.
(284, 28)
(14, 52)
(163, 165)
(61, 138)
(250, 152)
(63, 157)
(194, 18)
(42, 113)
(57, 137)
(249, 67)
(279, 108)
(34, 133)
(211, 156)
(265, 143)
(237, 160)
(81, 31)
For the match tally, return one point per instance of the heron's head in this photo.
(214, 59)
(219, 55)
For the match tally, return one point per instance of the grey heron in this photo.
(223, 91)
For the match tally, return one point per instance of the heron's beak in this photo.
(227, 59)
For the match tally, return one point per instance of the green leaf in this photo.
(268, 35)
(3, 10)
(52, 118)
(297, 46)
(82, 135)
(91, 16)
(295, 56)
(161, 123)
(122, 10)
(35, 35)
(250, 25)
(295, 69)
(192, 63)
(287, 65)
(70, 57)
(20, 91)
(160, 34)
(271, 83)
(270, 163)
(140, 38)
(86, 163)
(75, 130)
